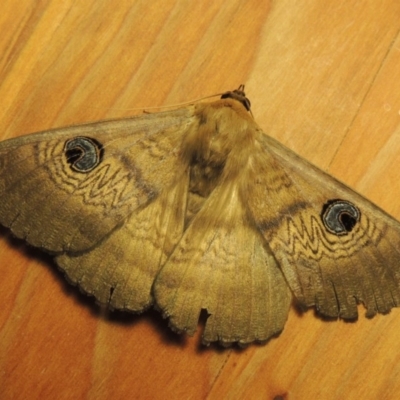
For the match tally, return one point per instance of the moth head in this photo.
(238, 95)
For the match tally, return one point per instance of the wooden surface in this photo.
(323, 78)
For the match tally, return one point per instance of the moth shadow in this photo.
(218, 347)
(46, 260)
(125, 318)
(300, 310)
(152, 318)
(73, 292)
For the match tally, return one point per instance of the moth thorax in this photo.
(204, 177)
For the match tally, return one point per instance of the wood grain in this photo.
(324, 79)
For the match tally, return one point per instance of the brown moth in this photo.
(198, 208)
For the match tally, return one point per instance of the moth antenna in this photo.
(144, 109)
(237, 94)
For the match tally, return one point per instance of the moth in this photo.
(198, 209)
